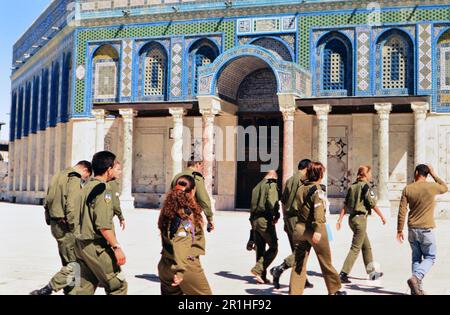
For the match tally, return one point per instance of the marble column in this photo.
(208, 147)
(420, 114)
(99, 115)
(383, 110)
(177, 149)
(126, 198)
(322, 111)
(287, 108)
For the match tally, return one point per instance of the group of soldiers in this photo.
(304, 203)
(80, 209)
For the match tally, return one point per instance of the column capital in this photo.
(420, 108)
(99, 114)
(127, 113)
(209, 113)
(177, 112)
(322, 110)
(288, 113)
(383, 110)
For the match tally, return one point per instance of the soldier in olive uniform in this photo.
(310, 232)
(264, 215)
(60, 213)
(115, 187)
(290, 216)
(181, 226)
(194, 170)
(98, 252)
(359, 203)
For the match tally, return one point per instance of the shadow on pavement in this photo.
(153, 278)
(229, 275)
(267, 291)
(374, 290)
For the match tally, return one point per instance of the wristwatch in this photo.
(116, 247)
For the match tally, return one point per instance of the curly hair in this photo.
(177, 200)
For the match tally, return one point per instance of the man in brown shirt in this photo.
(420, 196)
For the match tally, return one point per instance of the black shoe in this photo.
(276, 273)
(309, 285)
(414, 285)
(340, 293)
(376, 275)
(47, 290)
(344, 278)
(250, 246)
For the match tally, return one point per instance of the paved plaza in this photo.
(29, 256)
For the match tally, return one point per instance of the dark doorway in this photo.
(249, 172)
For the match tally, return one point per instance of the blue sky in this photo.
(15, 17)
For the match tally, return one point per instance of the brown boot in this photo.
(414, 285)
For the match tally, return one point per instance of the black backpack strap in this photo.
(364, 191)
(96, 191)
(311, 192)
(197, 174)
(74, 174)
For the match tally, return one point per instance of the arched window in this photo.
(43, 115)
(35, 111)
(202, 53)
(27, 110)
(334, 58)
(395, 63)
(12, 126)
(106, 60)
(66, 79)
(443, 69)
(153, 70)
(54, 94)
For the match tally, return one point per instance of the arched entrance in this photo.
(251, 84)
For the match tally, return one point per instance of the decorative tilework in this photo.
(80, 72)
(425, 72)
(177, 65)
(278, 48)
(267, 25)
(127, 62)
(220, 26)
(363, 42)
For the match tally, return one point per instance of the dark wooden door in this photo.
(249, 172)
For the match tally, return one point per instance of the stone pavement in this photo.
(29, 258)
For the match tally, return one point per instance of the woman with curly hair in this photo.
(181, 225)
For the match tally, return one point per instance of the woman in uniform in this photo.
(359, 203)
(311, 232)
(181, 225)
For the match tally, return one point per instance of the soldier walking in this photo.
(181, 226)
(359, 203)
(290, 216)
(310, 232)
(420, 196)
(264, 215)
(98, 252)
(60, 205)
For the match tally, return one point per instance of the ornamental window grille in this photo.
(334, 66)
(154, 74)
(395, 64)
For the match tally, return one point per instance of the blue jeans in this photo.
(423, 245)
